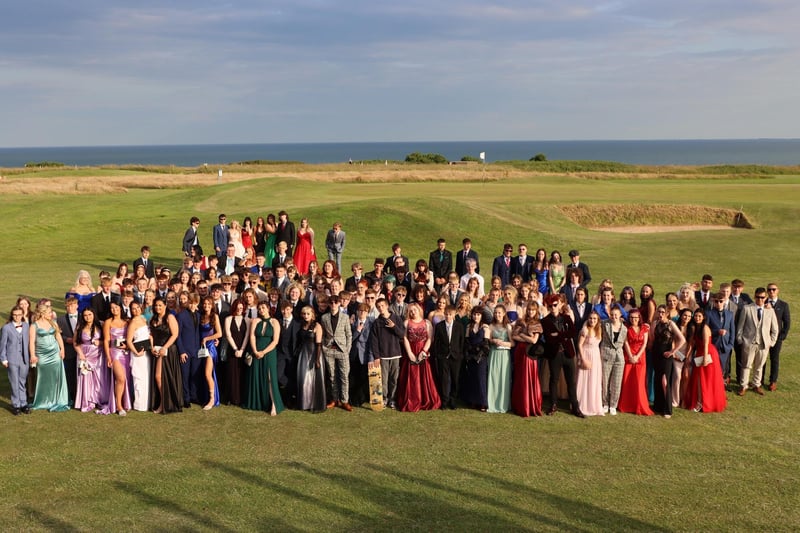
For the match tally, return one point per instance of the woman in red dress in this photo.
(633, 398)
(526, 391)
(247, 241)
(706, 391)
(416, 389)
(304, 249)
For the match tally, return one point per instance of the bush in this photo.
(471, 158)
(43, 164)
(417, 157)
(538, 157)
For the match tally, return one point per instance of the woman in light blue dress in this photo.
(499, 380)
(47, 353)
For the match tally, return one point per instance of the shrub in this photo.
(417, 157)
(538, 157)
(471, 158)
(42, 164)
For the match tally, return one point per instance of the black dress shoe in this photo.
(578, 413)
(15, 411)
(186, 405)
(26, 410)
(553, 410)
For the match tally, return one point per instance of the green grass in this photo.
(233, 470)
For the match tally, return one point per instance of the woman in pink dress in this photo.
(304, 249)
(93, 375)
(416, 389)
(590, 368)
(706, 391)
(633, 397)
(118, 360)
(526, 391)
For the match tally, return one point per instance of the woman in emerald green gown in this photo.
(262, 380)
(47, 353)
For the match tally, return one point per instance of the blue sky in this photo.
(98, 72)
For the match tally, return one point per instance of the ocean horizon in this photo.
(645, 152)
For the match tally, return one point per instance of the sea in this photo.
(643, 152)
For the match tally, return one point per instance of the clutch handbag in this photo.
(144, 345)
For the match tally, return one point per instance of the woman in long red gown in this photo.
(706, 391)
(633, 398)
(416, 389)
(526, 391)
(304, 249)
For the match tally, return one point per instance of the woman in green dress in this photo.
(262, 381)
(47, 353)
(500, 344)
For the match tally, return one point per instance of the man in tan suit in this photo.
(337, 339)
(757, 330)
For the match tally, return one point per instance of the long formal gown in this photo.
(262, 377)
(51, 383)
(269, 248)
(123, 356)
(633, 396)
(236, 365)
(310, 379)
(171, 380)
(475, 371)
(92, 389)
(302, 255)
(712, 397)
(543, 280)
(663, 368)
(141, 373)
(526, 390)
(205, 331)
(589, 384)
(235, 238)
(416, 389)
(498, 390)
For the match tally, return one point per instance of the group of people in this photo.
(279, 331)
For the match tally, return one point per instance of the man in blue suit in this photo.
(502, 264)
(221, 237)
(723, 329)
(15, 356)
(188, 345)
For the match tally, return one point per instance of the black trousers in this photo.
(449, 370)
(558, 364)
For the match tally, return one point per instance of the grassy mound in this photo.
(610, 215)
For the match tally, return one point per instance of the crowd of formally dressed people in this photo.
(258, 323)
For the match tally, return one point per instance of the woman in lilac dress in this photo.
(93, 375)
(118, 360)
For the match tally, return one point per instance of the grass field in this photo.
(230, 470)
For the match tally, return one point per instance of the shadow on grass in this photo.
(45, 520)
(197, 519)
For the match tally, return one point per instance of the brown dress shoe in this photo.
(773, 387)
(346, 406)
(741, 391)
(758, 391)
(331, 405)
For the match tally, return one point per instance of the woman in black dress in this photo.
(164, 333)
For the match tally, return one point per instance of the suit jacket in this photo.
(15, 347)
(335, 242)
(557, 336)
(461, 267)
(188, 240)
(351, 284)
(781, 309)
(723, 343)
(389, 266)
(453, 348)
(587, 277)
(277, 261)
(102, 310)
(360, 348)
(499, 268)
(188, 333)
(580, 319)
(569, 293)
(67, 332)
(523, 269)
(440, 264)
(611, 349)
(698, 297)
(288, 339)
(149, 268)
(287, 234)
(452, 301)
(339, 339)
(748, 327)
(220, 235)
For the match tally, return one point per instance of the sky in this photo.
(99, 72)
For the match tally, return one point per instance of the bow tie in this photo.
(73, 316)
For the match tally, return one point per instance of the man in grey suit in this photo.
(220, 235)
(757, 331)
(15, 356)
(334, 244)
(337, 338)
(190, 238)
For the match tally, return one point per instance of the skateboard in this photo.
(375, 386)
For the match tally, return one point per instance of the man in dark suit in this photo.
(220, 235)
(285, 232)
(448, 349)
(282, 253)
(68, 323)
(287, 366)
(559, 349)
(337, 338)
(101, 302)
(452, 290)
(144, 260)
(704, 297)
(575, 262)
(190, 238)
(189, 343)
(580, 309)
(466, 253)
(440, 262)
(502, 265)
(378, 272)
(781, 309)
(574, 282)
(396, 259)
(280, 281)
(351, 284)
(723, 329)
(360, 355)
(522, 264)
